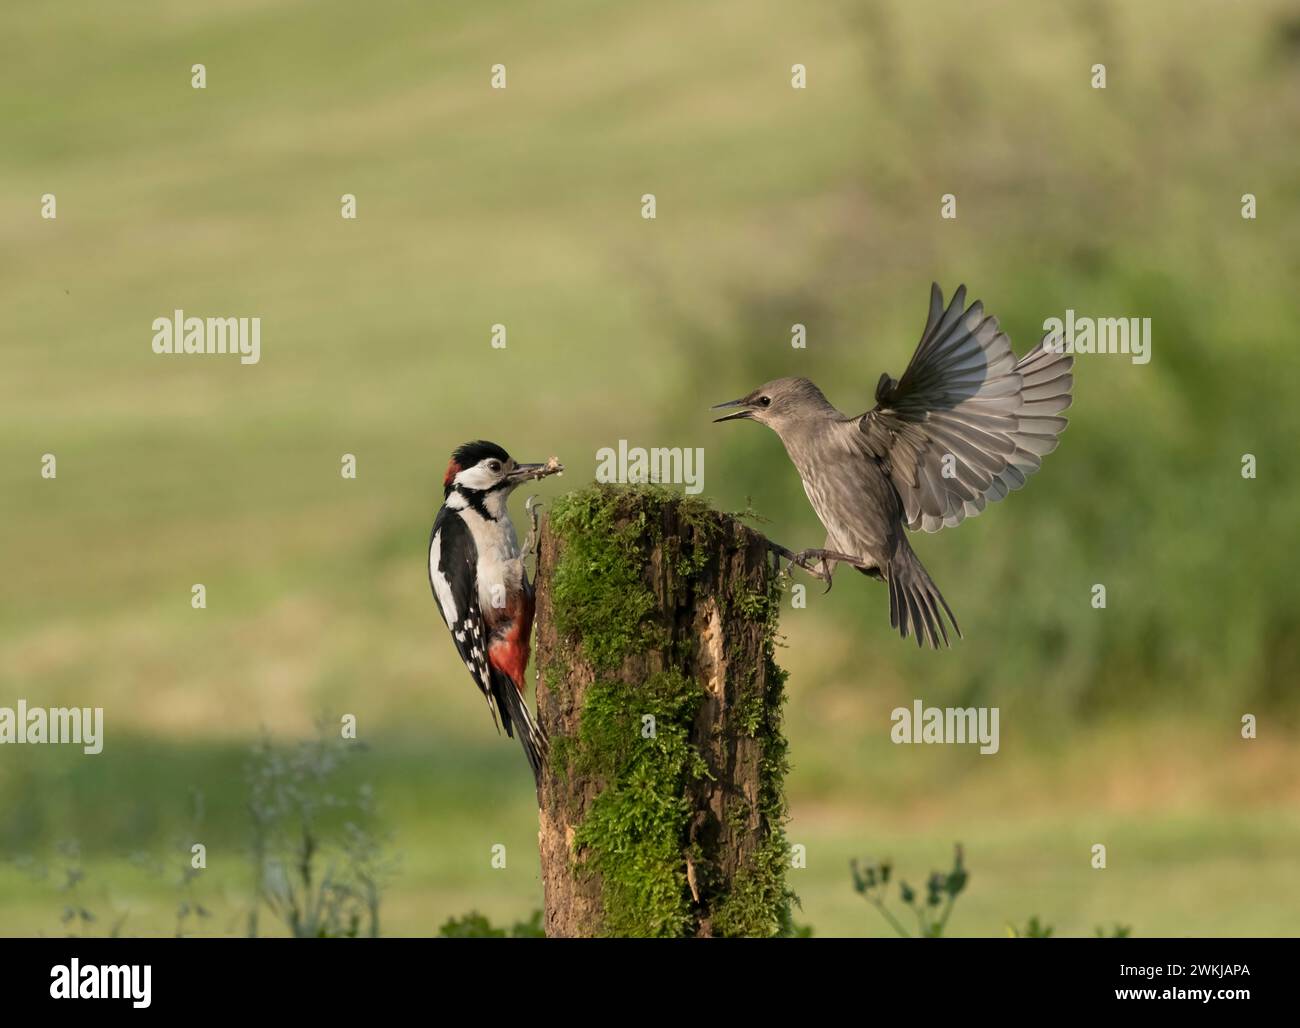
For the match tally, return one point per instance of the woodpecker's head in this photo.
(481, 468)
(780, 404)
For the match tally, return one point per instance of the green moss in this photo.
(557, 684)
(754, 604)
(599, 592)
(738, 814)
(751, 712)
(561, 755)
(759, 901)
(633, 834)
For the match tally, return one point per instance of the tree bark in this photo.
(701, 662)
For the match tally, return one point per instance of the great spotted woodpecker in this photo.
(477, 574)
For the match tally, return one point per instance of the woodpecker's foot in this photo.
(533, 542)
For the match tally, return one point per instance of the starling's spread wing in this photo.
(966, 422)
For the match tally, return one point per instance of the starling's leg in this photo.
(825, 560)
(829, 566)
(793, 558)
(834, 556)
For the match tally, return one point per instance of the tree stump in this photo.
(662, 804)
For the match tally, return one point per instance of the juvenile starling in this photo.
(963, 427)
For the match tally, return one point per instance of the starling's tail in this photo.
(517, 717)
(915, 600)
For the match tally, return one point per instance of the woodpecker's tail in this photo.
(515, 715)
(914, 599)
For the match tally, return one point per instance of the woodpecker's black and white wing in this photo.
(967, 421)
(453, 576)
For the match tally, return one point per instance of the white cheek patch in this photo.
(480, 476)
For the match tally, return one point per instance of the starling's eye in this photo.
(495, 465)
(765, 401)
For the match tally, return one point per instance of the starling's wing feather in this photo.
(452, 560)
(967, 421)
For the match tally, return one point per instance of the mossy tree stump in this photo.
(662, 808)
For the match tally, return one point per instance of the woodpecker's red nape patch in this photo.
(453, 469)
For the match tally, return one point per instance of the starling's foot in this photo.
(817, 562)
(823, 570)
(836, 557)
(794, 558)
(805, 559)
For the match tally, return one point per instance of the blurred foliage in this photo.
(941, 891)
(1033, 929)
(319, 860)
(475, 926)
(69, 873)
(942, 888)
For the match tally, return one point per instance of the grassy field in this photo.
(522, 207)
(1201, 832)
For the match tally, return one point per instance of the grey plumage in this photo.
(963, 427)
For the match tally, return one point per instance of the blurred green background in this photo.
(522, 206)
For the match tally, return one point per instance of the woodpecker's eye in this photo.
(765, 401)
(495, 465)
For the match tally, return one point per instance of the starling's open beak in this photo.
(746, 410)
(523, 472)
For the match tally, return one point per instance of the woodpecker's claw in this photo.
(534, 540)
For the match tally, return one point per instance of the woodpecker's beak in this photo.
(746, 412)
(523, 472)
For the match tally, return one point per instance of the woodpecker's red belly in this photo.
(511, 631)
